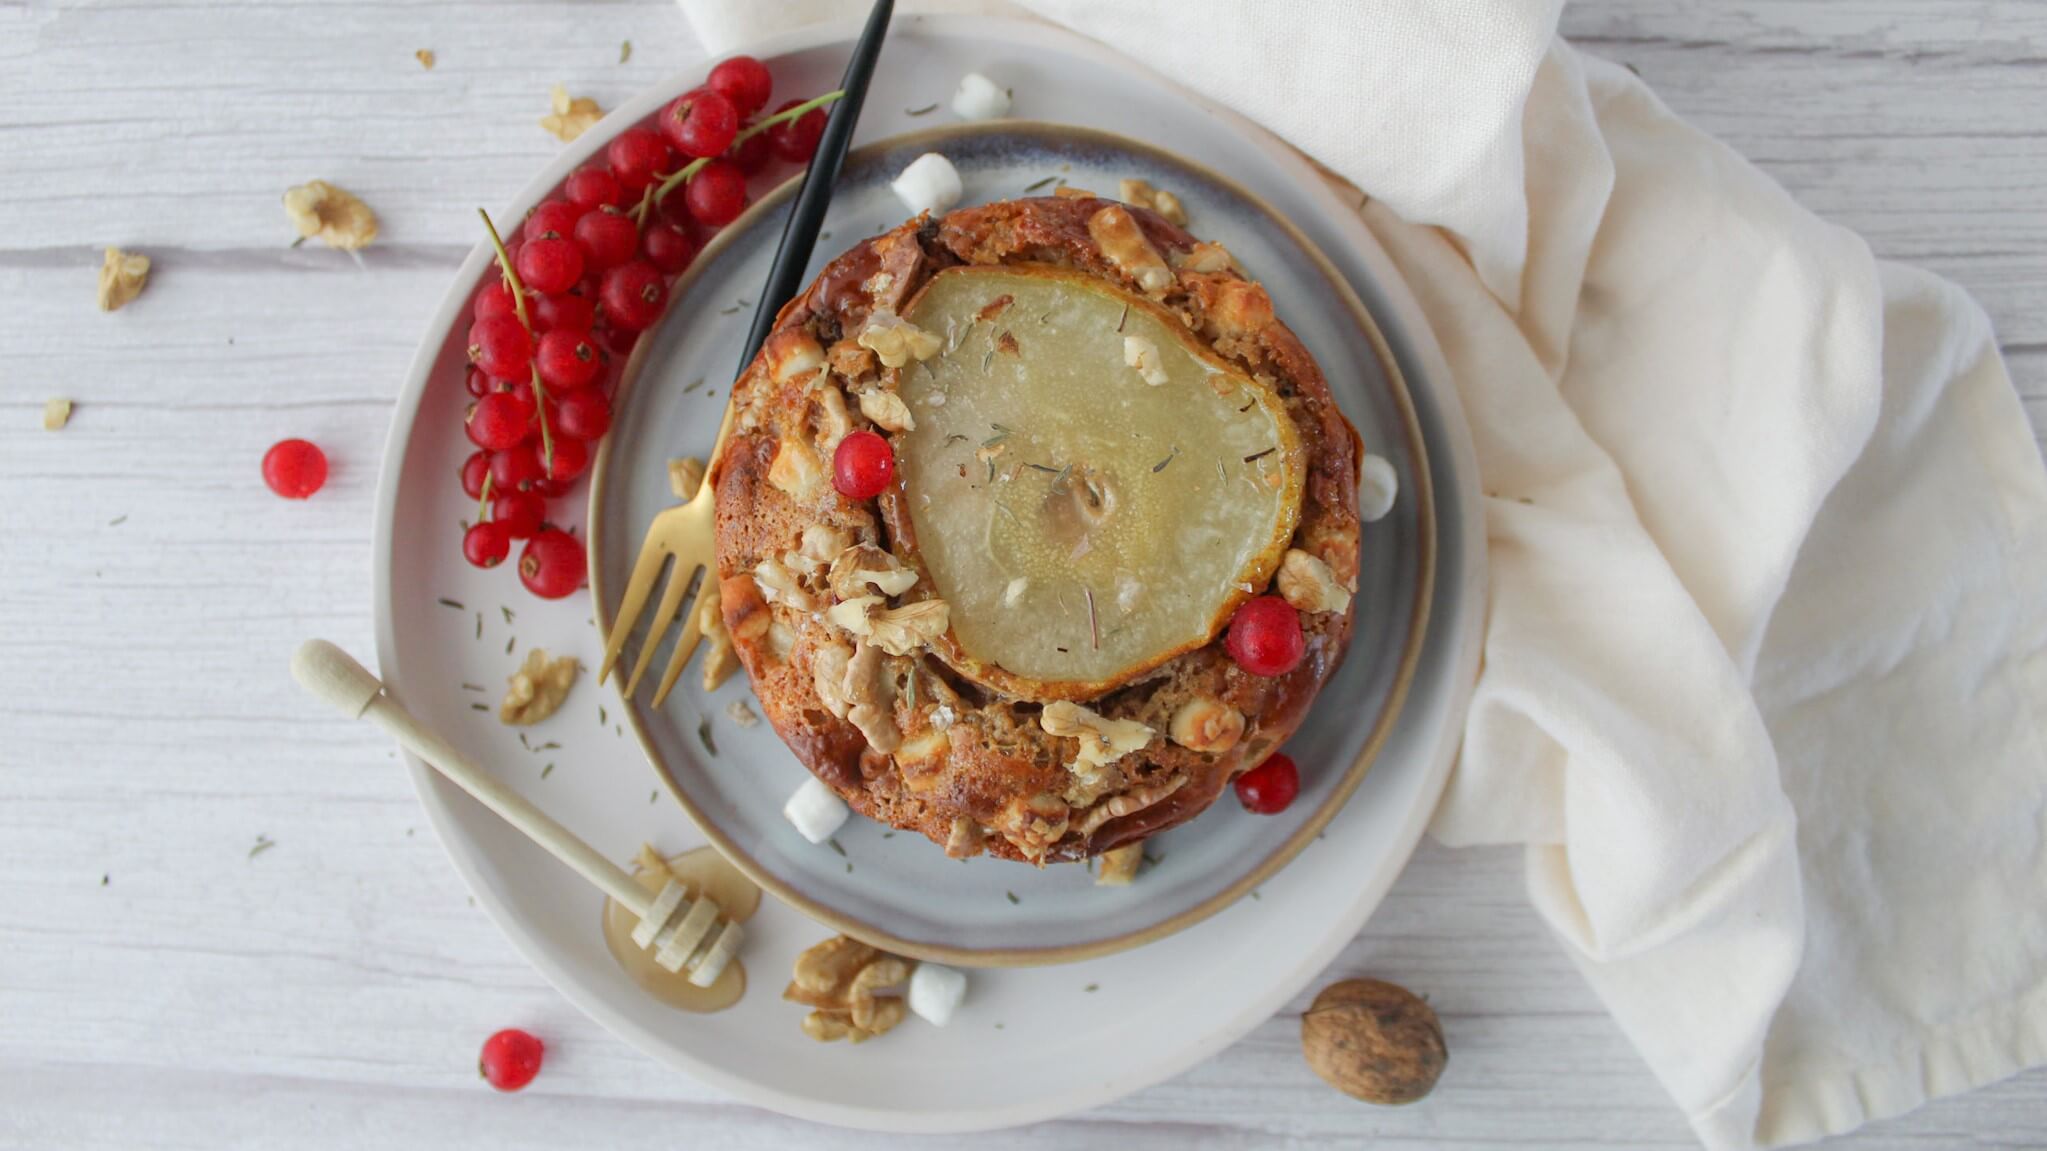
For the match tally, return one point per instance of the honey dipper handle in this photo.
(332, 674)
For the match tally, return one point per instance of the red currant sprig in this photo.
(658, 191)
(511, 275)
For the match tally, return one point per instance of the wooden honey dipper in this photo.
(683, 933)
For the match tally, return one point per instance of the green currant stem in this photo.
(483, 500)
(671, 182)
(497, 242)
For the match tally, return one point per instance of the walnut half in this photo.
(537, 688)
(839, 979)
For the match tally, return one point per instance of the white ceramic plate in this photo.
(899, 891)
(1031, 1043)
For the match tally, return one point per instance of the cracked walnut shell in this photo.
(1374, 1041)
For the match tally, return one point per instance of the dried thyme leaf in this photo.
(263, 844)
(1039, 184)
(472, 687)
(833, 843)
(479, 707)
(546, 771)
(444, 601)
(926, 110)
(1012, 897)
(1161, 465)
(704, 736)
(625, 51)
(693, 385)
(1254, 457)
(507, 611)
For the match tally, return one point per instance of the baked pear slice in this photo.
(1090, 488)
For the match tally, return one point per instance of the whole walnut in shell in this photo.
(1374, 1041)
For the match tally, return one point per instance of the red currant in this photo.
(637, 156)
(571, 456)
(495, 300)
(551, 566)
(1269, 788)
(593, 187)
(583, 414)
(499, 420)
(700, 123)
(499, 345)
(717, 193)
(568, 360)
(553, 218)
(744, 81)
(633, 295)
(796, 140)
(619, 341)
(551, 264)
(511, 1058)
(752, 154)
(552, 488)
(564, 312)
(519, 512)
(477, 381)
(1265, 636)
(294, 469)
(668, 248)
(608, 238)
(486, 544)
(474, 470)
(863, 466)
(516, 469)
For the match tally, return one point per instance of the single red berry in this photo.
(796, 140)
(1265, 636)
(486, 544)
(551, 264)
(516, 469)
(571, 456)
(1269, 788)
(583, 414)
(743, 80)
(294, 469)
(511, 1058)
(495, 299)
(637, 156)
(608, 238)
(592, 187)
(552, 488)
(633, 295)
(554, 218)
(499, 345)
(477, 381)
(568, 360)
(863, 466)
(716, 194)
(474, 470)
(551, 566)
(564, 312)
(752, 154)
(519, 512)
(700, 123)
(499, 420)
(619, 341)
(668, 248)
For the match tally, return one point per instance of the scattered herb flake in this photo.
(704, 736)
(603, 717)
(1094, 631)
(1047, 468)
(625, 51)
(1247, 407)
(651, 797)
(1161, 465)
(1092, 988)
(263, 844)
(550, 745)
(1125, 316)
(888, 835)
(523, 743)
(998, 1026)
(546, 771)
(479, 625)
(1012, 897)
(479, 707)
(507, 611)
(1255, 456)
(456, 604)
(509, 641)
(693, 385)
(926, 110)
(849, 869)
(472, 687)
(1255, 895)
(117, 521)
(106, 879)
(834, 844)
(1039, 184)
(729, 311)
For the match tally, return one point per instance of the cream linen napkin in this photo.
(1764, 686)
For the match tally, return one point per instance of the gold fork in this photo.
(687, 534)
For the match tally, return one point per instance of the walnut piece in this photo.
(1033, 825)
(887, 410)
(797, 470)
(425, 56)
(741, 713)
(1142, 354)
(1142, 194)
(1116, 234)
(537, 688)
(569, 118)
(1308, 584)
(1206, 725)
(859, 570)
(56, 413)
(903, 630)
(1102, 740)
(685, 476)
(333, 215)
(867, 701)
(1134, 800)
(840, 979)
(779, 585)
(1204, 257)
(721, 659)
(1118, 867)
(122, 275)
(791, 353)
(1374, 1041)
(965, 839)
(896, 341)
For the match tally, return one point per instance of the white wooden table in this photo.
(160, 987)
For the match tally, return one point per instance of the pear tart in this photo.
(1104, 443)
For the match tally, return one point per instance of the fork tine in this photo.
(646, 569)
(671, 602)
(686, 639)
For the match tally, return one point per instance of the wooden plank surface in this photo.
(160, 987)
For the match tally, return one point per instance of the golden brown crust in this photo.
(964, 766)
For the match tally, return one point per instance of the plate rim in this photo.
(1463, 642)
(1388, 716)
